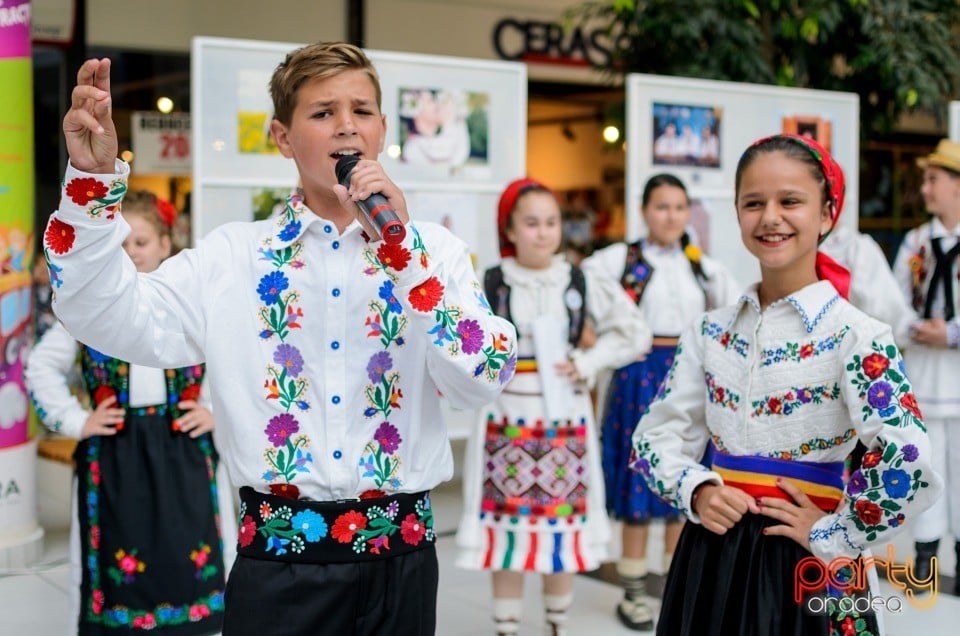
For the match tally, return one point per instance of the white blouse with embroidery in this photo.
(802, 380)
(673, 296)
(326, 355)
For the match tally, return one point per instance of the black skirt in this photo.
(742, 583)
(151, 551)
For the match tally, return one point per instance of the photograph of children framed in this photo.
(443, 127)
(685, 135)
(452, 122)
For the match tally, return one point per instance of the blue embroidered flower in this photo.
(289, 231)
(311, 524)
(271, 286)
(386, 293)
(896, 483)
(277, 544)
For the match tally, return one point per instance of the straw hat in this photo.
(947, 155)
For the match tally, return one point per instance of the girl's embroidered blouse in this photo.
(326, 355)
(801, 380)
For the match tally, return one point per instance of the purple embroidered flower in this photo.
(289, 231)
(386, 293)
(910, 453)
(642, 466)
(804, 395)
(392, 509)
(280, 428)
(379, 364)
(857, 483)
(641, 271)
(388, 437)
(896, 483)
(471, 334)
(289, 358)
(897, 521)
(878, 395)
(271, 286)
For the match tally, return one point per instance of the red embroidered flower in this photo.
(874, 365)
(871, 459)
(287, 491)
(396, 257)
(909, 402)
(412, 529)
(59, 236)
(190, 392)
(246, 531)
(868, 512)
(718, 395)
(82, 191)
(426, 295)
(128, 563)
(97, 601)
(102, 393)
(198, 612)
(347, 525)
(372, 494)
(806, 350)
(95, 473)
(849, 627)
(775, 405)
(725, 339)
(95, 537)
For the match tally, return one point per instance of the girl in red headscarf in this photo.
(784, 383)
(533, 485)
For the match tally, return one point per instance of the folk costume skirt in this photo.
(533, 488)
(632, 390)
(150, 546)
(742, 582)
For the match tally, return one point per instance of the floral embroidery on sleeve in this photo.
(875, 488)
(883, 387)
(59, 236)
(96, 196)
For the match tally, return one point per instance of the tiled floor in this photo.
(34, 601)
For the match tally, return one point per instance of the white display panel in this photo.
(738, 114)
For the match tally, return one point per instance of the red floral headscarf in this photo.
(827, 268)
(507, 202)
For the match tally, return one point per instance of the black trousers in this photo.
(396, 596)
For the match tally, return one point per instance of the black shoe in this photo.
(925, 552)
(956, 578)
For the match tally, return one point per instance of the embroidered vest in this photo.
(105, 377)
(574, 298)
(637, 272)
(930, 276)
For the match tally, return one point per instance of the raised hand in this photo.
(106, 419)
(88, 128)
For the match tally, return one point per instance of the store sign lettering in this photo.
(549, 42)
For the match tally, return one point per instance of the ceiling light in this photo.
(611, 134)
(164, 105)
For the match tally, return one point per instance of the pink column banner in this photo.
(14, 28)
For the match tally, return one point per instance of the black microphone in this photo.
(375, 207)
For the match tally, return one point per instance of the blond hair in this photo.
(315, 61)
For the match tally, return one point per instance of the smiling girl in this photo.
(784, 382)
(533, 487)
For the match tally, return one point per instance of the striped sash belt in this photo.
(822, 482)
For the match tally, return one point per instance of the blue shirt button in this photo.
(336, 292)
(337, 454)
(335, 345)
(327, 229)
(336, 399)
(336, 245)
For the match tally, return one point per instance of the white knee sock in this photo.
(506, 614)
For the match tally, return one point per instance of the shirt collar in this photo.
(937, 230)
(811, 303)
(292, 223)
